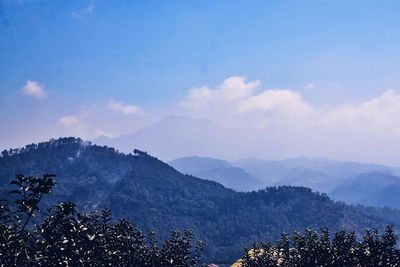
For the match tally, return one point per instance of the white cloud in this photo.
(103, 119)
(34, 89)
(286, 123)
(124, 109)
(381, 114)
(84, 12)
(239, 103)
(231, 91)
(310, 85)
(290, 126)
(69, 121)
(284, 101)
(79, 126)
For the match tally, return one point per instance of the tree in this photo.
(67, 237)
(317, 249)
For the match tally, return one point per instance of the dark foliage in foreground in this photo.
(153, 195)
(318, 249)
(68, 238)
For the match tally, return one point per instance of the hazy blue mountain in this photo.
(217, 170)
(316, 180)
(175, 137)
(171, 135)
(374, 189)
(233, 177)
(317, 173)
(193, 165)
(153, 195)
(337, 169)
(250, 162)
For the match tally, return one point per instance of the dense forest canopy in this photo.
(68, 238)
(154, 196)
(319, 249)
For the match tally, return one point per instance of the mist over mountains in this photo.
(177, 136)
(153, 195)
(220, 171)
(181, 136)
(177, 139)
(352, 182)
(374, 189)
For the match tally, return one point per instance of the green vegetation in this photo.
(154, 196)
(67, 238)
(318, 249)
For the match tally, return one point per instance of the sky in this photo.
(93, 68)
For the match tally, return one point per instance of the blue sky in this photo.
(150, 54)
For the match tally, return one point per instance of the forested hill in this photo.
(153, 195)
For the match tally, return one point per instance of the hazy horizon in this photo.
(278, 79)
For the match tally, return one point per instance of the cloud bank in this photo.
(288, 125)
(253, 121)
(239, 103)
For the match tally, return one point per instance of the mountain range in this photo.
(153, 195)
(374, 189)
(352, 182)
(217, 170)
(177, 138)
